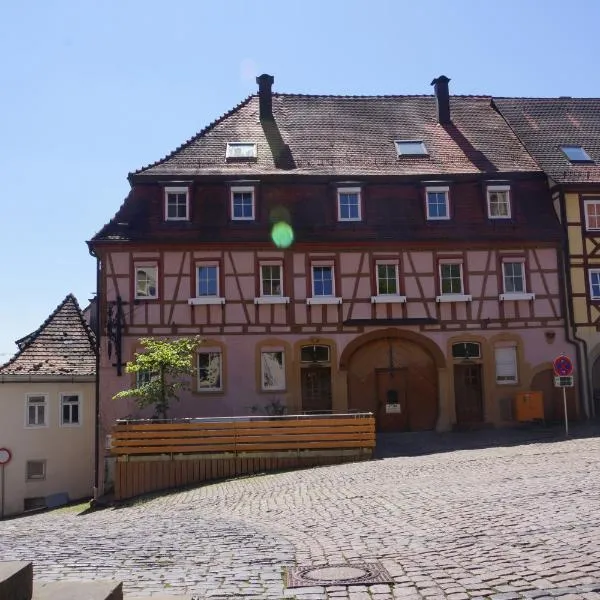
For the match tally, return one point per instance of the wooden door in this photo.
(316, 389)
(468, 394)
(392, 400)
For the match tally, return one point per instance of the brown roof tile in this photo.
(63, 345)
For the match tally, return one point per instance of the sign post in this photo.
(563, 378)
(5, 456)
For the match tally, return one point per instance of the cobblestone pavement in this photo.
(508, 522)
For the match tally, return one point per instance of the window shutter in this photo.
(506, 364)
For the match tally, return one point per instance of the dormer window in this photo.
(348, 202)
(498, 201)
(242, 204)
(411, 148)
(438, 208)
(240, 150)
(576, 154)
(177, 204)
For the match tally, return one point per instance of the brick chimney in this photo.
(442, 96)
(265, 96)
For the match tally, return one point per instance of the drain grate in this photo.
(348, 574)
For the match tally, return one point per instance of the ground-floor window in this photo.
(210, 371)
(506, 365)
(272, 365)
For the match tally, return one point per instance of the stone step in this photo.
(78, 590)
(16, 580)
(165, 597)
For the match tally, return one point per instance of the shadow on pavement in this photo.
(430, 442)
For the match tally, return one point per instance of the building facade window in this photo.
(208, 280)
(466, 350)
(594, 275)
(70, 409)
(271, 280)
(242, 204)
(142, 378)
(513, 274)
(438, 206)
(177, 204)
(35, 470)
(272, 370)
(315, 354)
(322, 281)
(498, 201)
(240, 150)
(349, 204)
(146, 278)
(592, 215)
(387, 279)
(210, 371)
(506, 365)
(36, 410)
(451, 278)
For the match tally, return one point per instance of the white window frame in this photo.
(590, 273)
(283, 385)
(499, 188)
(209, 351)
(44, 469)
(524, 295)
(138, 382)
(586, 203)
(515, 362)
(270, 299)
(231, 145)
(62, 396)
(215, 299)
(177, 190)
(423, 146)
(243, 190)
(330, 299)
(452, 297)
(349, 190)
(46, 408)
(387, 298)
(142, 267)
(438, 190)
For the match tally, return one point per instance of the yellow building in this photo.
(563, 136)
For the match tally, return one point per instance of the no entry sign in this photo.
(563, 366)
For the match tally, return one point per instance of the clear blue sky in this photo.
(90, 90)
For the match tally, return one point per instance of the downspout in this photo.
(583, 383)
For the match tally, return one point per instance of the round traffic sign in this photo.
(5, 456)
(563, 366)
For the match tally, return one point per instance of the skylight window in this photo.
(241, 150)
(411, 148)
(576, 154)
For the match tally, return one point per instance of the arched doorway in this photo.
(553, 397)
(394, 375)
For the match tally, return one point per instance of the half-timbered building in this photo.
(563, 135)
(422, 282)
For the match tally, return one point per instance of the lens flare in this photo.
(282, 234)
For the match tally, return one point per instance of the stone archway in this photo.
(394, 374)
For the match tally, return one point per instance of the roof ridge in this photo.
(376, 96)
(549, 98)
(32, 337)
(202, 132)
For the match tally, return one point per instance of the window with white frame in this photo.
(594, 275)
(35, 470)
(271, 280)
(142, 378)
(36, 410)
(70, 409)
(506, 364)
(272, 370)
(240, 150)
(176, 204)
(498, 201)
(349, 208)
(387, 279)
(242, 203)
(146, 282)
(323, 281)
(451, 278)
(210, 371)
(592, 214)
(437, 203)
(207, 277)
(513, 274)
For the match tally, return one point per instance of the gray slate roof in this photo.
(351, 136)
(545, 124)
(63, 345)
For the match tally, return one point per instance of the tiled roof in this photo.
(545, 124)
(351, 136)
(63, 345)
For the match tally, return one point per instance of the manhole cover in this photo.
(351, 574)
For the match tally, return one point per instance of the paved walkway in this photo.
(508, 522)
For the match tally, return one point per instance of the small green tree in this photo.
(168, 364)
